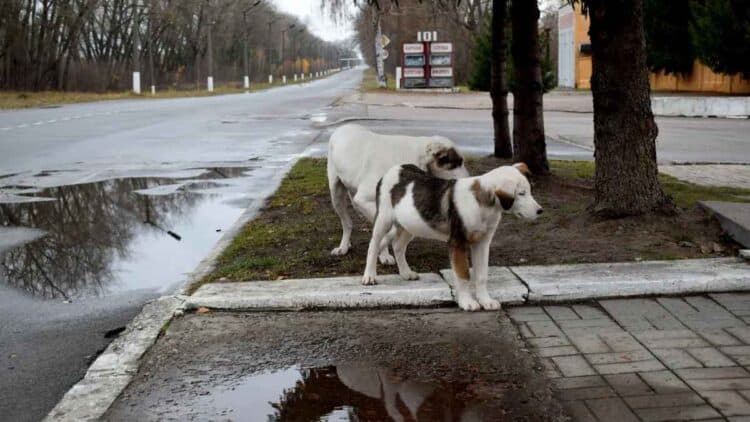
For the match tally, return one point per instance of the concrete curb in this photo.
(111, 373)
(113, 370)
(510, 285)
(323, 293)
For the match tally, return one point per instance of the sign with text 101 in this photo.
(427, 63)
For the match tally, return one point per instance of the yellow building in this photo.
(574, 63)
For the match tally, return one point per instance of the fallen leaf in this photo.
(202, 310)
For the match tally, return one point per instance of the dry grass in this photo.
(25, 99)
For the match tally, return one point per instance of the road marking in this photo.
(38, 123)
(65, 119)
(23, 125)
(4, 128)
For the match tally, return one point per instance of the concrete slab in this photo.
(338, 292)
(588, 281)
(734, 218)
(502, 285)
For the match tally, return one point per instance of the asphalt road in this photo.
(187, 148)
(704, 140)
(93, 150)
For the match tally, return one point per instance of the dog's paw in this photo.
(340, 251)
(387, 259)
(468, 304)
(411, 275)
(489, 304)
(369, 280)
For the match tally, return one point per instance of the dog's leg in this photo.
(480, 255)
(338, 200)
(382, 225)
(399, 249)
(368, 209)
(460, 265)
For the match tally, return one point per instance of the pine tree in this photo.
(669, 47)
(720, 31)
(479, 80)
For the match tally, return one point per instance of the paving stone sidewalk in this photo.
(730, 175)
(653, 359)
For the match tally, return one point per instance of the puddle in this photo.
(349, 393)
(105, 237)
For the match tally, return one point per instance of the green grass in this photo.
(684, 194)
(295, 231)
(370, 82)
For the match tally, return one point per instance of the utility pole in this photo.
(136, 50)
(268, 55)
(283, 48)
(246, 59)
(210, 57)
(151, 48)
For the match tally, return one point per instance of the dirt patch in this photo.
(386, 365)
(294, 233)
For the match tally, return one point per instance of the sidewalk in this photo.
(605, 357)
(646, 359)
(564, 101)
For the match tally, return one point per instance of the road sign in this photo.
(414, 48)
(413, 72)
(441, 72)
(441, 47)
(385, 54)
(384, 40)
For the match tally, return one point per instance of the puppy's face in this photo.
(513, 190)
(446, 163)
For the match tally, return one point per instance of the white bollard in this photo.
(295, 77)
(270, 79)
(310, 75)
(137, 82)
(302, 76)
(283, 79)
(210, 84)
(398, 78)
(247, 82)
(153, 89)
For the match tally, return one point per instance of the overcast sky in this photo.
(318, 22)
(323, 26)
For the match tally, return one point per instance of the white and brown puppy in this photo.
(358, 158)
(464, 212)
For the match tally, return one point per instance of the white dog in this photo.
(358, 158)
(464, 212)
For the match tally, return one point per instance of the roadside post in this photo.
(283, 79)
(398, 78)
(137, 82)
(270, 79)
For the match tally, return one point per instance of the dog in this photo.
(464, 212)
(358, 158)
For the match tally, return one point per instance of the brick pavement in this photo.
(654, 359)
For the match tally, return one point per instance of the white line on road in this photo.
(52, 121)
(22, 126)
(38, 123)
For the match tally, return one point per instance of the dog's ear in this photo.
(484, 197)
(523, 168)
(506, 199)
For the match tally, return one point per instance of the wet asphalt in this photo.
(125, 198)
(399, 365)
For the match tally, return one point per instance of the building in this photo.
(574, 62)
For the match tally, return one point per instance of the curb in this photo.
(113, 370)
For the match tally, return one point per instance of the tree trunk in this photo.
(528, 120)
(626, 180)
(379, 52)
(499, 80)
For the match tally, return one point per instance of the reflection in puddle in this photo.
(103, 237)
(350, 393)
